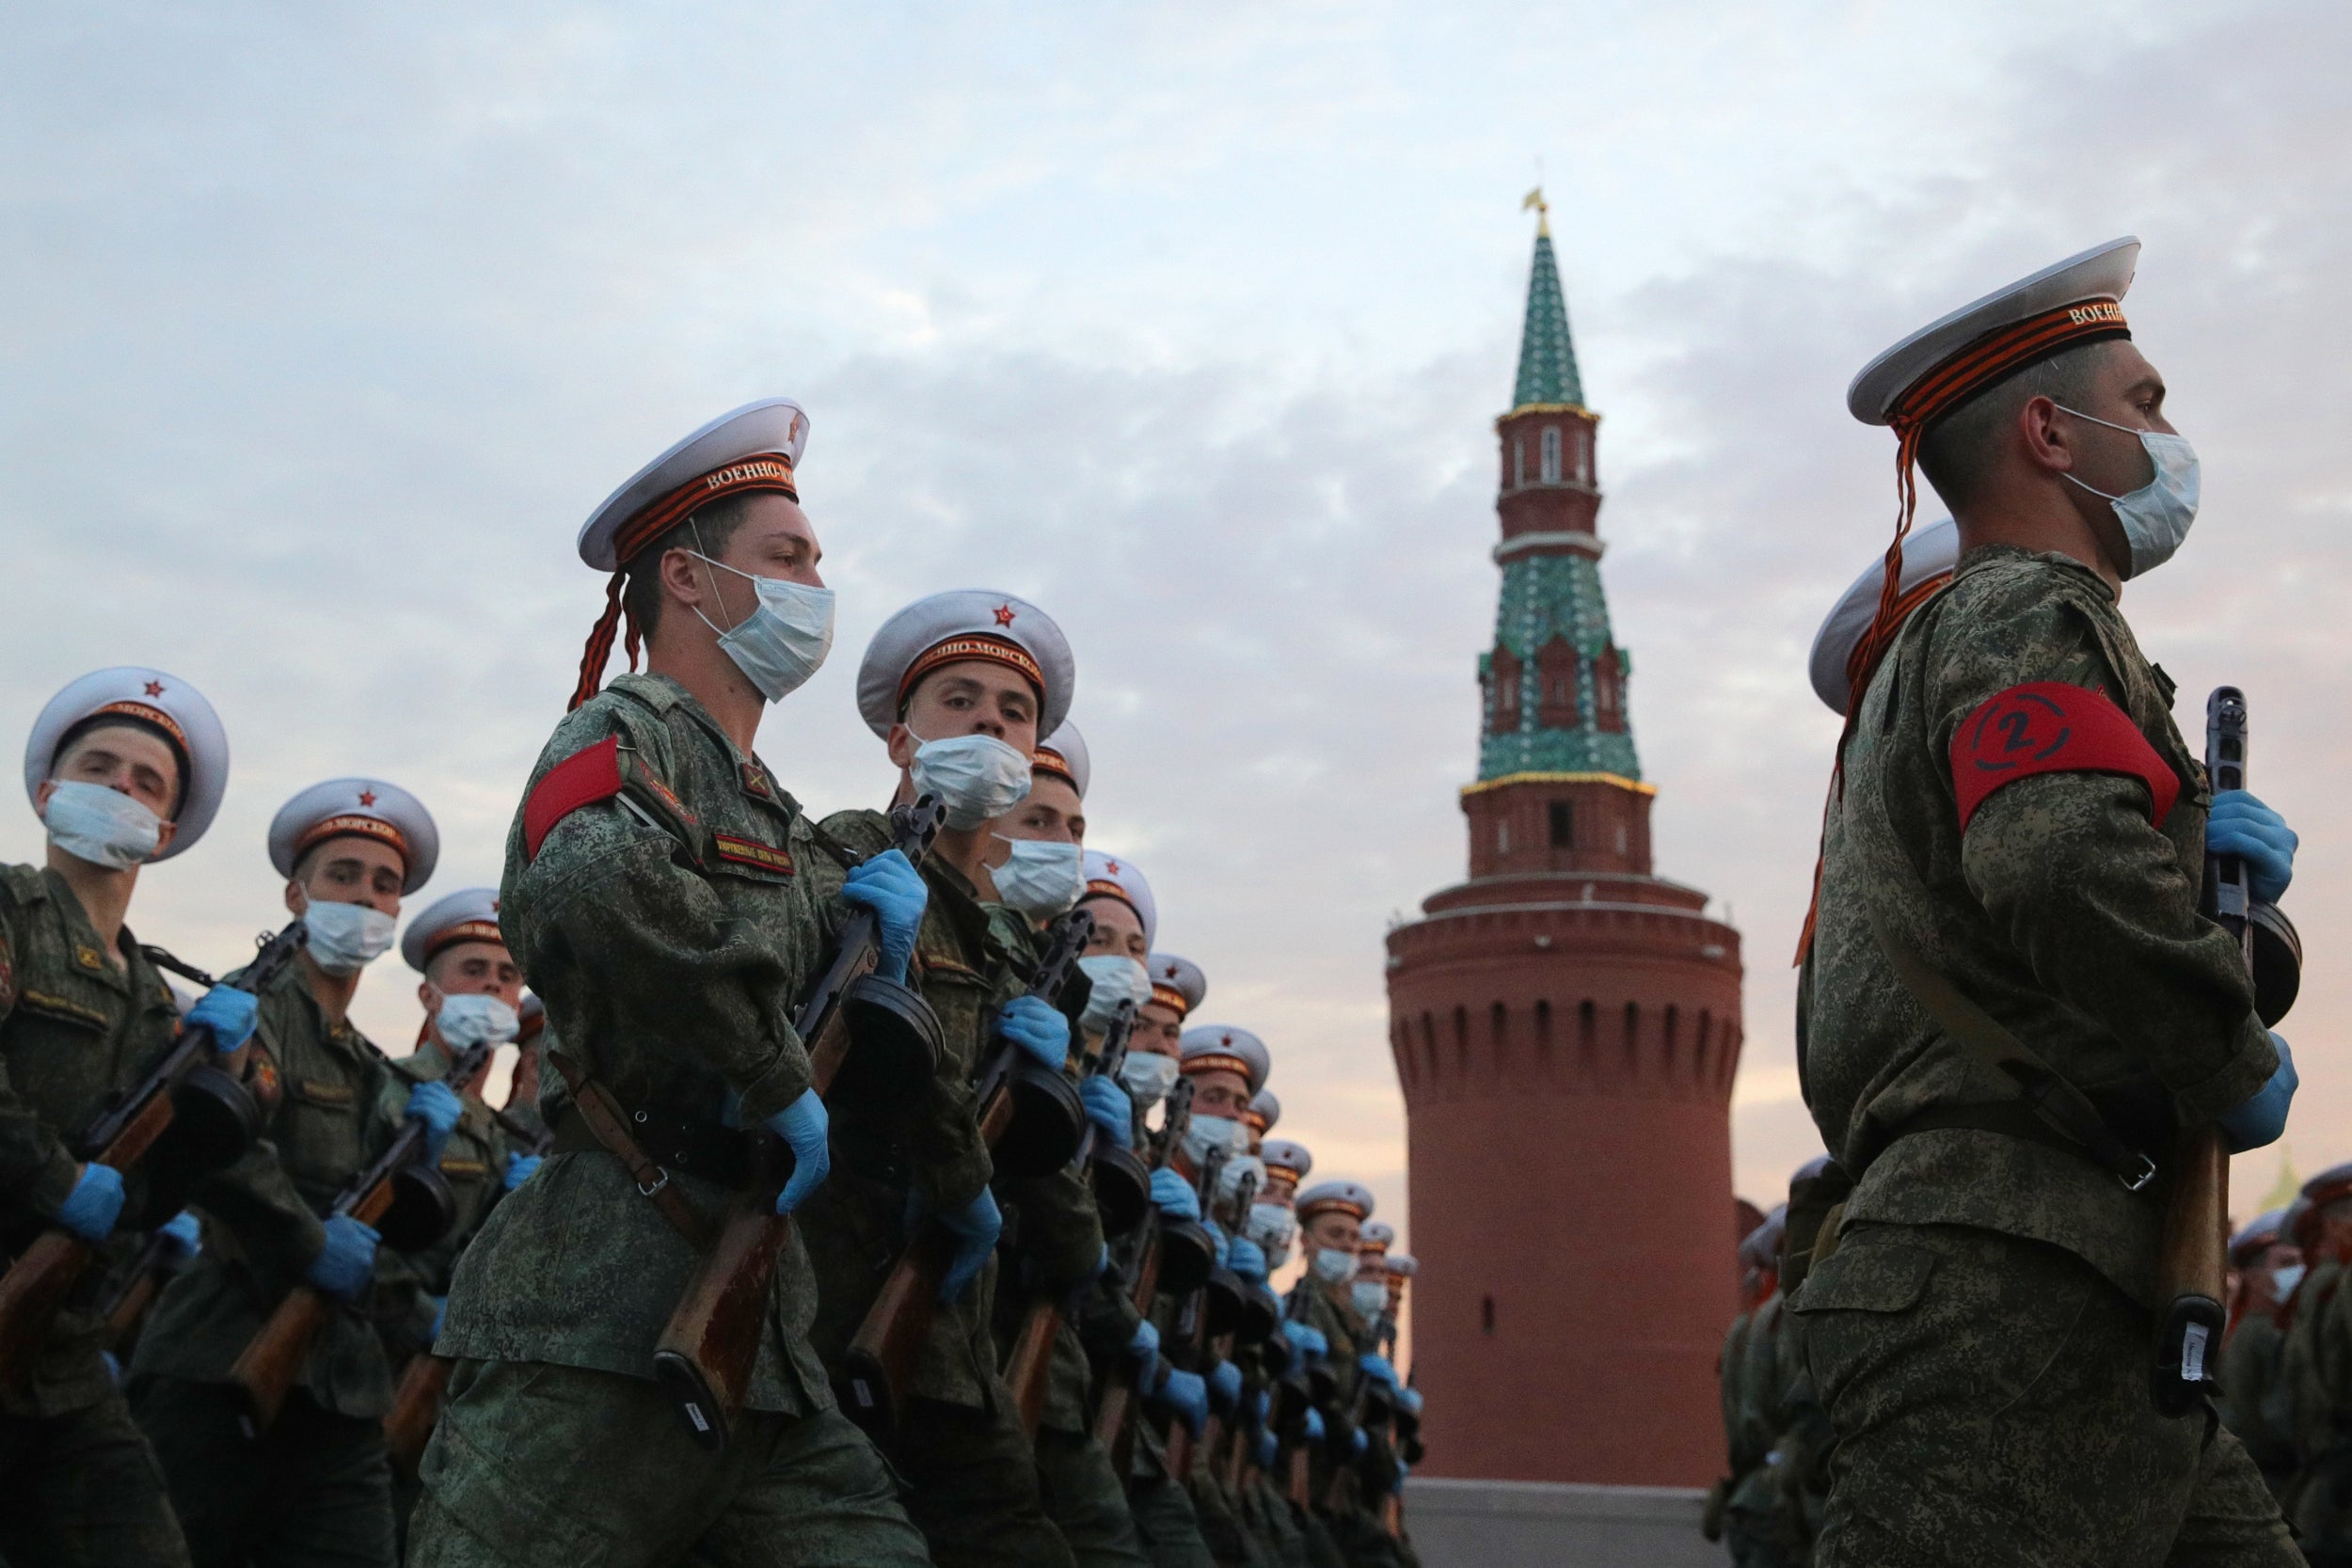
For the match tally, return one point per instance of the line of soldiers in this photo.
(866, 1192)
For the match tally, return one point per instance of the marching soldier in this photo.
(959, 686)
(1331, 1215)
(2315, 1370)
(314, 1481)
(2012, 852)
(657, 896)
(1273, 1222)
(2268, 1266)
(125, 767)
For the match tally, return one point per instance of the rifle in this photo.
(159, 1260)
(2192, 1262)
(193, 1116)
(1024, 1107)
(1219, 1313)
(707, 1352)
(405, 1197)
(1029, 1366)
(1178, 1255)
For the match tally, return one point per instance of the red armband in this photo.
(2051, 727)
(580, 780)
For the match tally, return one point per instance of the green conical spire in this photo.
(1547, 357)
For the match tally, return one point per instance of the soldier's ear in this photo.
(163, 834)
(902, 745)
(297, 901)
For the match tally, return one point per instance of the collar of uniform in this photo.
(957, 903)
(87, 952)
(424, 1065)
(345, 1037)
(1981, 557)
(658, 692)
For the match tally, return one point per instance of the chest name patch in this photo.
(750, 851)
(2051, 727)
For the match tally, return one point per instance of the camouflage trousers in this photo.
(1990, 1400)
(972, 1487)
(83, 1490)
(544, 1467)
(1082, 1495)
(315, 1489)
(1163, 1517)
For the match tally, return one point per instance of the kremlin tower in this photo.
(1565, 1026)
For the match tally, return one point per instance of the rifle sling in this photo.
(2049, 1109)
(594, 1110)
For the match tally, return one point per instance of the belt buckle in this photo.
(2135, 1179)
(645, 1190)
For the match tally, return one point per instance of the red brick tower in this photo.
(1565, 1026)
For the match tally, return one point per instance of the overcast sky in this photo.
(326, 327)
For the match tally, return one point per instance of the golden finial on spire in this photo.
(1543, 210)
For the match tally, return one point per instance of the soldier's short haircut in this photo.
(708, 531)
(98, 721)
(1959, 451)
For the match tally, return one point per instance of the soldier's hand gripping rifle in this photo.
(402, 1195)
(188, 1117)
(868, 1038)
(1031, 1120)
(1118, 1175)
(1176, 1255)
(2193, 1262)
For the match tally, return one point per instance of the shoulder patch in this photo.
(750, 851)
(580, 780)
(2050, 727)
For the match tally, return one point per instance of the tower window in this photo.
(1632, 1033)
(1551, 454)
(1562, 816)
(1543, 1032)
(1485, 1314)
(1500, 1018)
(1556, 685)
(1584, 456)
(1504, 668)
(1518, 461)
(1503, 836)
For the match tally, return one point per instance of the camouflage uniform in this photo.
(2253, 1399)
(971, 1474)
(1982, 1333)
(316, 1485)
(670, 963)
(78, 1483)
(1359, 1534)
(2315, 1385)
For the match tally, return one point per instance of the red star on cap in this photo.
(1226, 1039)
(154, 688)
(367, 797)
(1111, 866)
(1004, 615)
(494, 906)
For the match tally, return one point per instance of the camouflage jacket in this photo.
(1344, 1330)
(670, 959)
(2062, 911)
(331, 1106)
(1729, 1363)
(474, 1162)
(2254, 1397)
(74, 1030)
(857, 1225)
(2315, 1379)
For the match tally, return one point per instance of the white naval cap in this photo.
(755, 447)
(965, 623)
(469, 914)
(1177, 984)
(1064, 754)
(1937, 368)
(356, 808)
(534, 1014)
(1222, 1047)
(1285, 1155)
(1116, 877)
(1344, 1198)
(1403, 1265)
(1263, 1111)
(1377, 1237)
(162, 703)
(1930, 554)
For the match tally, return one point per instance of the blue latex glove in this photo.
(1102, 1265)
(1145, 1346)
(96, 1202)
(2241, 825)
(2262, 1117)
(229, 1013)
(1357, 1442)
(436, 1105)
(1173, 1195)
(1306, 1343)
(1034, 1025)
(1216, 1239)
(114, 1367)
(894, 890)
(1409, 1399)
(347, 1261)
(1225, 1385)
(1269, 1451)
(1403, 1470)
(1109, 1108)
(1314, 1425)
(1262, 1407)
(440, 1316)
(803, 1126)
(1187, 1397)
(1246, 1258)
(519, 1167)
(1378, 1369)
(183, 1235)
(976, 1227)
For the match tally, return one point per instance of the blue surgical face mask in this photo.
(784, 638)
(2156, 517)
(976, 777)
(346, 938)
(1040, 877)
(1370, 1297)
(103, 826)
(2284, 1280)
(1147, 1076)
(1114, 978)
(1332, 1267)
(466, 1022)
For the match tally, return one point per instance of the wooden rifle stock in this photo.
(1028, 1370)
(272, 1361)
(37, 1281)
(1114, 1413)
(883, 1355)
(2192, 1263)
(416, 1406)
(710, 1345)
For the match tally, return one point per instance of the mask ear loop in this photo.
(702, 553)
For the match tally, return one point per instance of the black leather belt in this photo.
(679, 1145)
(2011, 1118)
